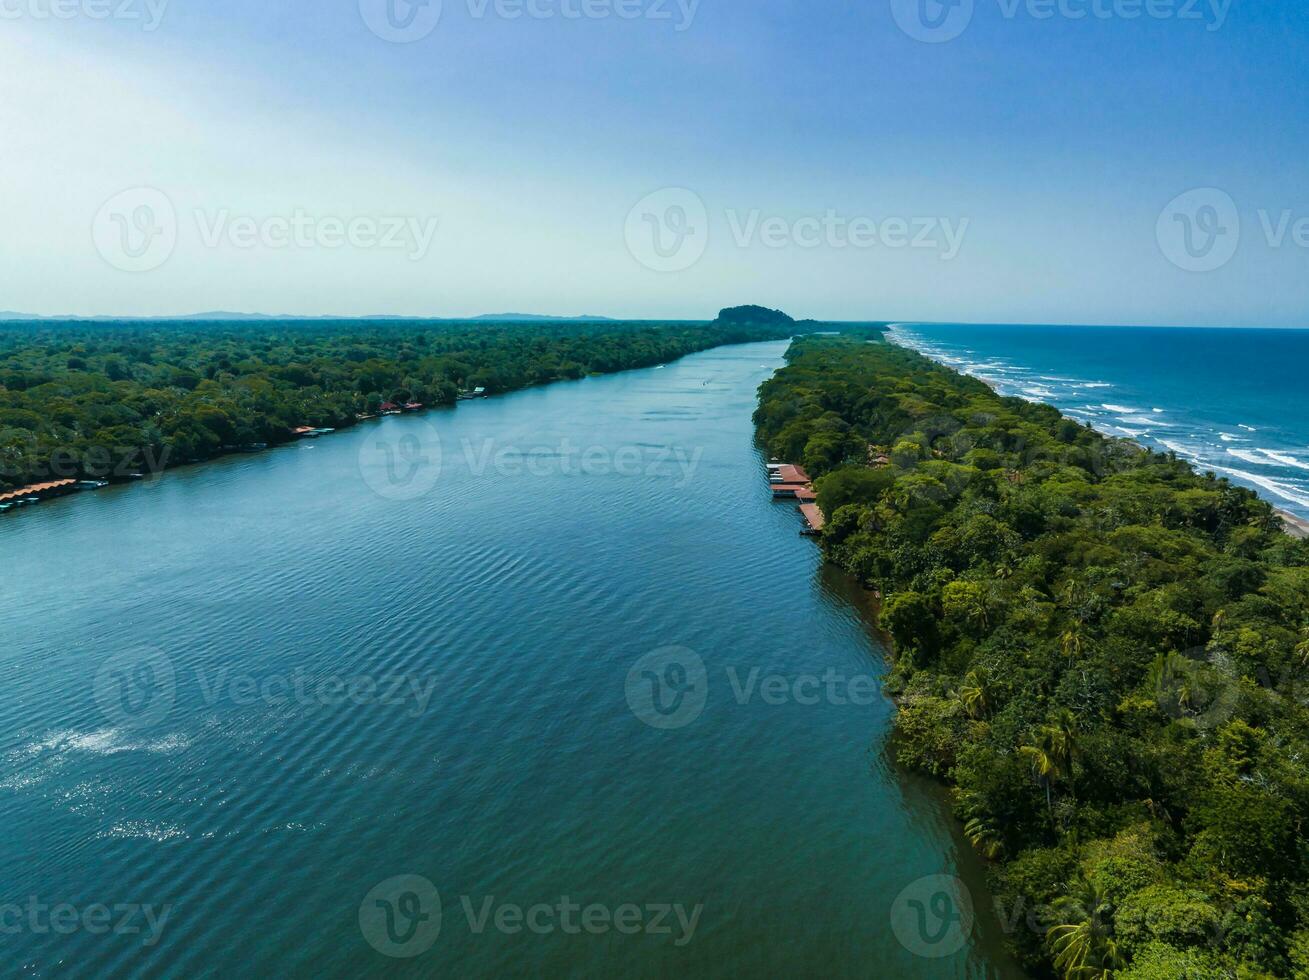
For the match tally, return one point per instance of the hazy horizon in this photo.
(1020, 162)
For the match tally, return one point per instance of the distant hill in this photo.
(753, 316)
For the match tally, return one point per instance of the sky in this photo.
(1044, 161)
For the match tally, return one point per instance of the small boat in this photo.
(92, 484)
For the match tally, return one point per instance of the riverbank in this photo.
(184, 393)
(1041, 580)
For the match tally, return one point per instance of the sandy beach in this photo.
(1297, 527)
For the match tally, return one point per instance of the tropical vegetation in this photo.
(104, 399)
(1100, 650)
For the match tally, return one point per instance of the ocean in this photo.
(1234, 401)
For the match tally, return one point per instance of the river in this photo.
(544, 684)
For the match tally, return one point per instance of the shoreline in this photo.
(1296, 527)
(154, 466)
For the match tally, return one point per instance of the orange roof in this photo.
(35, 488)
(813, 515)
(804, 493)
(793, 474)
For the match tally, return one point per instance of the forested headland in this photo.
(99, 400)
(1101, 651)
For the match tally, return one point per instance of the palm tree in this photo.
(1302, 648)
(979, 828)
(984, 837)
(1053, 752)
(1083, 943)
(1071, 642)
(973, 695)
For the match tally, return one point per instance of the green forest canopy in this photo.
(103, 399)
(1102, 651)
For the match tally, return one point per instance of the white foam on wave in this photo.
(1229, 437)
(1249, 457)
(1247, 428)
(21, 780)
(1184, 451)
(1097, 384)
(104, 741)
(1132, 433)
(1138, 420)
(1157, 411)
(1296, 495)
(1121, 409)
(1284, 459)
(144, 830)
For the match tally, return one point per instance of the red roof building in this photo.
(792, 474)
(813, 515)
(35, 490)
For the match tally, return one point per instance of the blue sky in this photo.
(814, 157)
